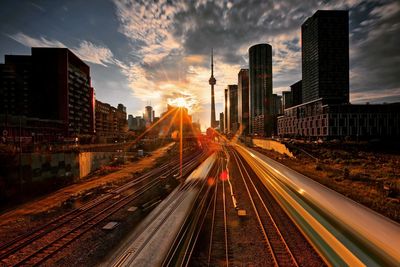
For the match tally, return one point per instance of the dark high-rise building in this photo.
(325, 57)
(233, 124)
(297, 95)
(212, 81)
(62, 89)
(221, 122)
(226, 111)
(243, 100)
(15, 85)
(53, 84)
(260, 65)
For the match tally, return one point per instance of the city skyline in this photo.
(156, 63)
(114, 150)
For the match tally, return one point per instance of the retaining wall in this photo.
(272, 145)
(38, 167)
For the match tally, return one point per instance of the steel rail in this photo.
(272, 247)
(188, 228)
(25, 240)
(213, 225)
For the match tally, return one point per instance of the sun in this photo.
(182, 102)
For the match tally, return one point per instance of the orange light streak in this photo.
(181, 142)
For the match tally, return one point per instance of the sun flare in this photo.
(183, 102)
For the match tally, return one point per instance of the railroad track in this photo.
(161, 215)
(276, 244)
(209, 238)
(40, 244)
(218, 246)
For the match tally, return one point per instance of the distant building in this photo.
(325, 57)
(131, 122)
(233, 124)
(122, 123)
(148, 115)
(276, 102)
(136, 123)
(111, 123)
(221, 122)
(260, 75)
(53, 85)
(226, 110)
(297, 95)
(287, 99)
(276, 110)
(243, 100)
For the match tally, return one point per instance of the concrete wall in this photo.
(272, 145)
(91, 161)
(73, 165)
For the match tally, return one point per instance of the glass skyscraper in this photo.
(260, 70)
(325, 57)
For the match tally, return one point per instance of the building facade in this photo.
(325, 57)
(111, 123)
(226, 110)
(15, 85)
(51, 85)
(221, 122)
(319, 119)
(62, 89)
(243, 101)
(233, 124)
(260, 81)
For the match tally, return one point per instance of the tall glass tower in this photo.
(260, 76)
(325, 57)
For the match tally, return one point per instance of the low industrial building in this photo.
(318, 119)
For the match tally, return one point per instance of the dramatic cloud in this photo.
(375, 53)
(86, 50)
(162, 48)
(166, 34)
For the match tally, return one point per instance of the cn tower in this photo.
(212, 82)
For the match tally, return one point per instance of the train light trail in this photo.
(181, 142)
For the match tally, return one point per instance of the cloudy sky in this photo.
(143, 52)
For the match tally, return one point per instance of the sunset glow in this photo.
(184, 102)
